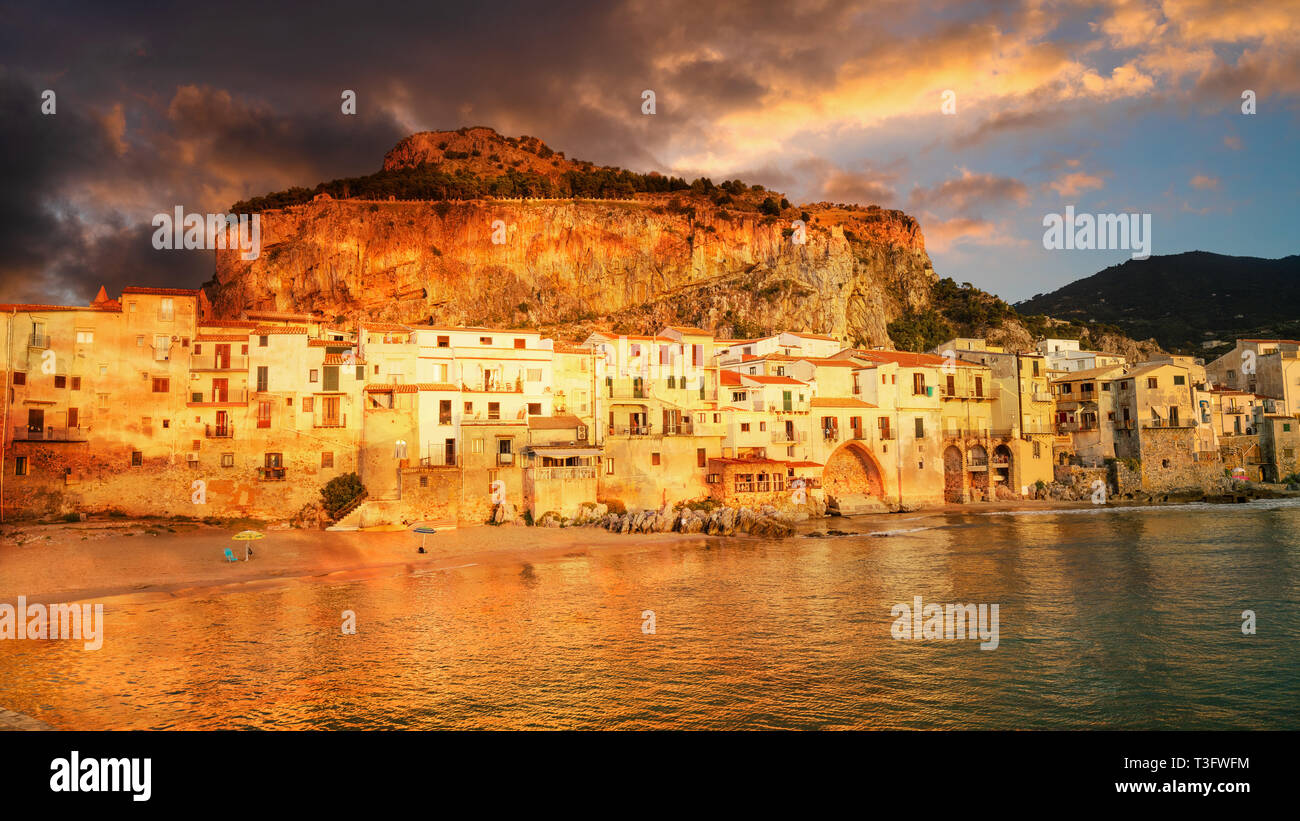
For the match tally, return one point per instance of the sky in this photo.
(978, 118)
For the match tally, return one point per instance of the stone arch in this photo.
(1001, 465)
(977, 463)
(953, 480)
(853, 468)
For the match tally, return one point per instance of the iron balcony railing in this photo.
(219, 431)
(564, 473)
(45, 433)
(273, 474)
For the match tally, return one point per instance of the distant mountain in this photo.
(1185, 301)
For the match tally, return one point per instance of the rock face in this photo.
(570, 265)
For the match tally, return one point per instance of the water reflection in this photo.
(1126, 619)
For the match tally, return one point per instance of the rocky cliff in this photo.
(694, 257)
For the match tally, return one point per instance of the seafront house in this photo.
(1023, 434)
(1065, 355)
(1084, 414)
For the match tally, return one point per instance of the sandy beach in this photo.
(102, 558)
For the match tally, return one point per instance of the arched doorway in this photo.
(1001, 465)
(977, 463)
(852, 469)
(953, 481)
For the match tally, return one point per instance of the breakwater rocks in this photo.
(767, 521)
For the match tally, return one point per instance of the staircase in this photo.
(349, 516)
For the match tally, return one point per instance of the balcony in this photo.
(271, 474)
(219, 431)
(781, 437)
(331, 422)
(831, 434)
(26, 433)
(212, 362)
(491, 387)
(38, 340)
(440, 459)
(565, 473)
(162, 354)
(630, 430)
(505, 459)
(628, 393)
(230, 397)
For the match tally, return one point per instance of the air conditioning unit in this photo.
(191, 457)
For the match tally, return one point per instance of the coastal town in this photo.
(149, 404)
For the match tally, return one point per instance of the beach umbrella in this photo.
(424, 531)
(247, 536)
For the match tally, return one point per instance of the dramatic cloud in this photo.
(831, 100)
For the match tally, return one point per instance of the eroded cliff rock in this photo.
(570, 264)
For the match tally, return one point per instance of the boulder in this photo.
(504, 513)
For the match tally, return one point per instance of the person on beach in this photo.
(248, 550)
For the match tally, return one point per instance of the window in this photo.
(313, 375)
(76, 383)
(762, 426)
(1035, 363)
(654, 458)
(534, 374)
(288, 401)
(701, 460)
(307, 403)
(274, 460)
(1105, 387)
(469, 407)
(327, 459)
(519, 343)
(476, 446)
(361, 372)
(264, 414)
(262, 341)
(20, 378)
(102, 401)
(85, 337)
(243, 349)
(609, 467)
(227, 460)
(198, 349)
(485, 340)
(1152, 382)
(137, 458)
(424, 481)
(167, 309)
(920, 428)
(744, 427)
(161, 384)
(494, 410)
(263, 377)
(130, 307)
(20, 466)
(918, 383)
(535, 408)
(60, 381)
(1288, 453)
(444, 342)
(139, 341)
(1286, 427)
(35, 420)
(1180, 380)
(1037, 450)
(74, 417)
